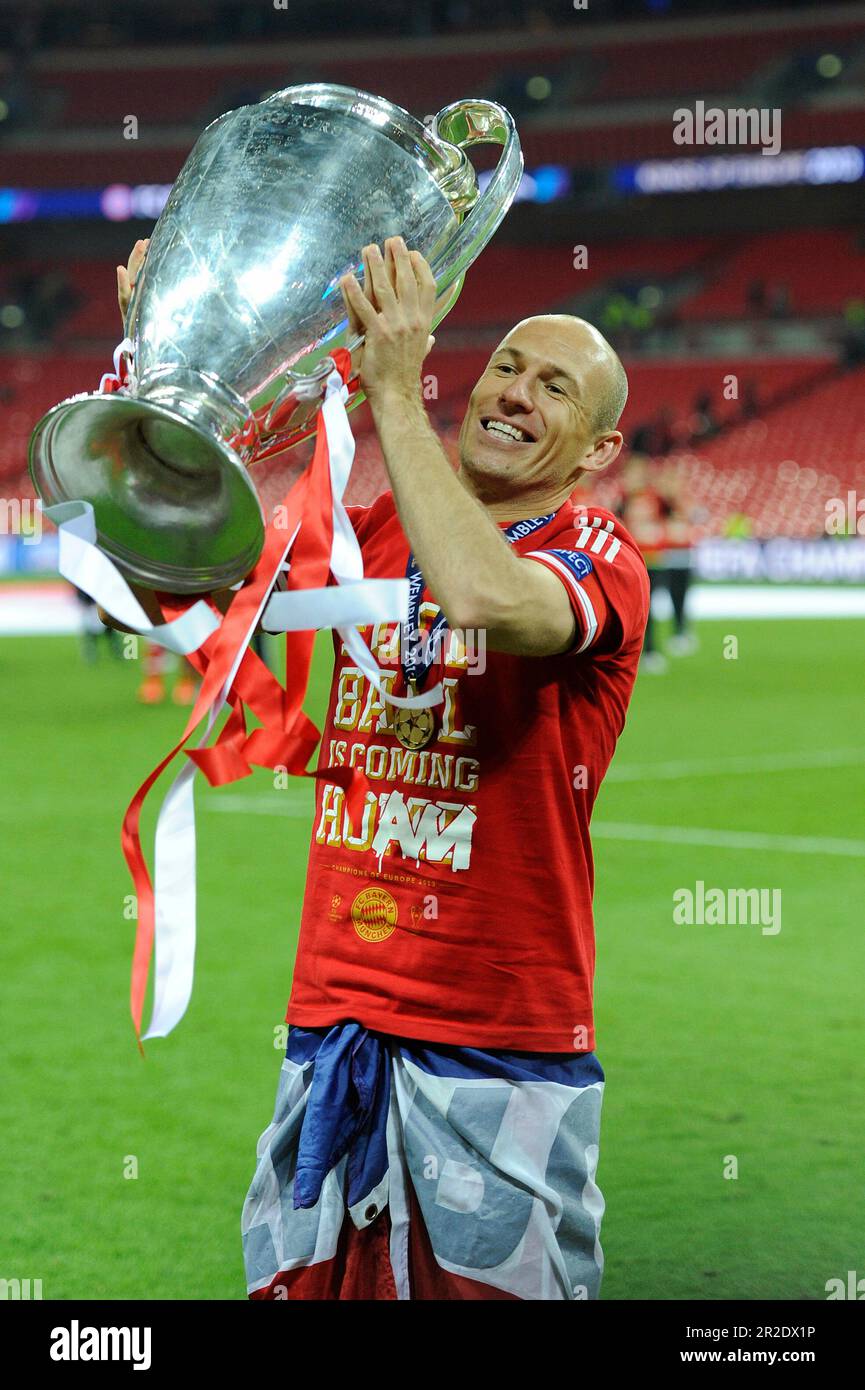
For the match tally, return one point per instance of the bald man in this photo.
(436, 1127)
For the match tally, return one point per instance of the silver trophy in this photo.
(238, 306)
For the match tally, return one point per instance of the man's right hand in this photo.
(149, 602)
(127, 276)
(147, 599)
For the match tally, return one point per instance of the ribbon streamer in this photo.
(355, 600)
(320, 540)
(91, 570)
(117, 380)
(167, 910)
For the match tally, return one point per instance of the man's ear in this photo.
(605, 451)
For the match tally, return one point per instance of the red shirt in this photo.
(460, 909)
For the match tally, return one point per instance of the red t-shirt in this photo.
(460, 909)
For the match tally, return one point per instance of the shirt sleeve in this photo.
(607, 585)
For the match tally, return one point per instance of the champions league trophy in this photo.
(238, 306)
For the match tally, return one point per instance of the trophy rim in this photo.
(52, 487)
(334, 96)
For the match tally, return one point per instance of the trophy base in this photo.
(174, 507)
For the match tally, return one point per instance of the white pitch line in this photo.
(609, 830)
(262, 806)
(709, 767)
(727, 839)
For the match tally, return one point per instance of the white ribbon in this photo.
(370, 600)
(125, 345)
(174, 858)
(90, 569)
(353, 600)
(360, 601)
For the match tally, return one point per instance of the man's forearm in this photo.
(466, 562)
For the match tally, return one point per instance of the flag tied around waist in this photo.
(309, 536)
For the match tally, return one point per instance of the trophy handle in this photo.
(474, 121)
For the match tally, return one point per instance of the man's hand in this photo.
(149, 602)
(127, 277)
(394, 313)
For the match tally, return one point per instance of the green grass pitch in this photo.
(717, 1041)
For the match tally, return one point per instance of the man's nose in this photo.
(518, 391)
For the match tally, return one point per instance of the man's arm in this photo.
(474, 574)
(468, 565)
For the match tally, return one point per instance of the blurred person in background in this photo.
(755, 298)
(641, 508)
(852, 344)
(749, 405)
(653, 507)
(92, 630)
(703, 422)
(655, 437)
(677, 556)
(155, 666)
(779, 300)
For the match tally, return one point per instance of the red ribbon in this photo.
(287, 737)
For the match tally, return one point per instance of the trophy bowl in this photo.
(238, 306)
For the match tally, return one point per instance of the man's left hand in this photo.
(394, 311)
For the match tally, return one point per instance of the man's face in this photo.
(529, 418)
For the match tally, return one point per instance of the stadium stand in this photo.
(780, 312)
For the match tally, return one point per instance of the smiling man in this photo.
(437, 1122)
